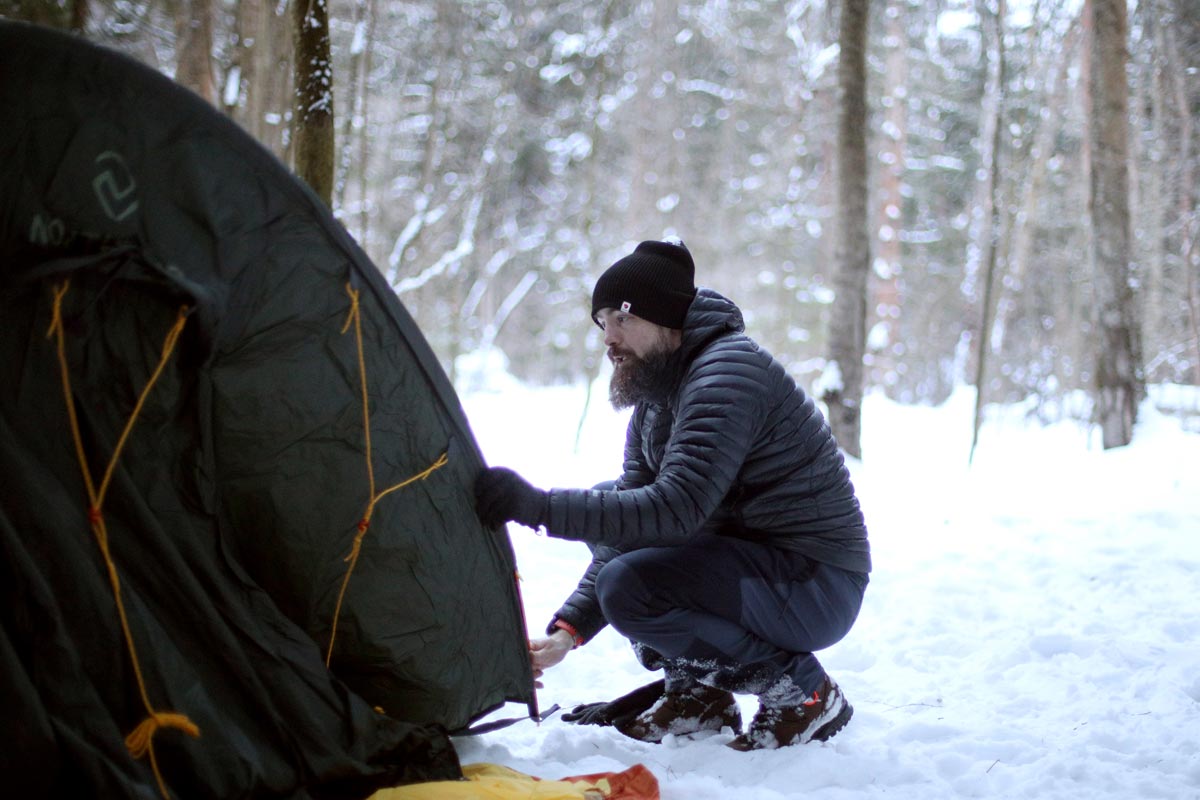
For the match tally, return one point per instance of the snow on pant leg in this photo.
(737, 615)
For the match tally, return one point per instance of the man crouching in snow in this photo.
(732, 546)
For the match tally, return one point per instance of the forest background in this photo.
(1026, 199)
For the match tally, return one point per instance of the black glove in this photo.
(589, 714)
(501, 495)
(619, 712)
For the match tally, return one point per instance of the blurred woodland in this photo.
(986, 193)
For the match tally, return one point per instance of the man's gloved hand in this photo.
(502, 495)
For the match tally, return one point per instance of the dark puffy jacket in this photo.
(736, 450)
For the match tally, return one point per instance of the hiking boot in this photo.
(694, 710)
(817, 718)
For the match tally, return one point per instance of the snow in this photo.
(1031, 629)
(233, 87)
(829, 381)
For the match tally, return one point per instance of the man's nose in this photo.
(610, 337)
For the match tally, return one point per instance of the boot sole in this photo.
(733, 721)
(831, 728)
(649, 739)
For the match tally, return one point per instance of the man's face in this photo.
(638, 351)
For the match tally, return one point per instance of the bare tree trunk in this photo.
(356, 95)
(364, 138)
(885, 281)
(79, 15)
(432, 154)
(257, 86)
(1150, 187)
(593, 360)
(237, 69)
(651, 159)
(847, 331)
(1188, 222)
(364, 156)
(238, 96)
(1193, 288)
(1049, 128)
(1117, 369)
(991, 233)
(194, 43)
(39, 12)
(313, 112)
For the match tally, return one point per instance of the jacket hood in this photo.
(710, 315)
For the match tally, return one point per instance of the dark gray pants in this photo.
(732, 614)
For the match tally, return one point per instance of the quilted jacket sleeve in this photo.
(718, 413)
(582, 608)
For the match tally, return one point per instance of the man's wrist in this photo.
(563, 625)
(537, 510)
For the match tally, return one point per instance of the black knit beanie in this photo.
(655, 282)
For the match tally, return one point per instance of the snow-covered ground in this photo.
(1032, 628)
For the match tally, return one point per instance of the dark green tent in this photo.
(130, 209)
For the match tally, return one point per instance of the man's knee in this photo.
(623, 595)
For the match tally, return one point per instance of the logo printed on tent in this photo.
(51, 232)
(115, 186)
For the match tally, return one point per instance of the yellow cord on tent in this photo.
(355, 318)
(140, 741)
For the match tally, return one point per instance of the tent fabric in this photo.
(495, 782)
(243, 479)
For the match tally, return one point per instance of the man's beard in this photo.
(639, 380)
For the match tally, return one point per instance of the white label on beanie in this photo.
(625, 306)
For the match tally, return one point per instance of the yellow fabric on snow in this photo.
(494, 782)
